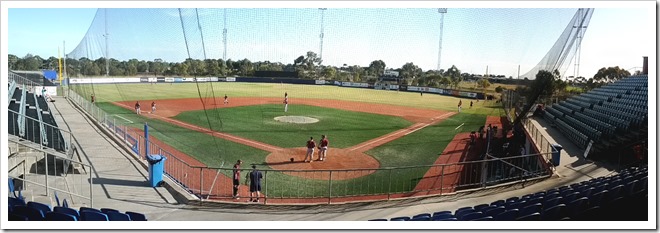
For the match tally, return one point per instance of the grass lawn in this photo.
(209, 150)
(344, 128)
(129, 92)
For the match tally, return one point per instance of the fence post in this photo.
(91, 183)
(330, 187)
(265, 186)
(442, 178)
(46, 159)
(389, 185)
(201, 184)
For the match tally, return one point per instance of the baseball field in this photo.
(370, 132)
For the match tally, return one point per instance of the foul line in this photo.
(397, 133)
(240, 140)
(123, 118)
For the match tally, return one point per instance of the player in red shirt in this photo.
(310, 149)
(323, 147)
(286, 101)
(237, 177)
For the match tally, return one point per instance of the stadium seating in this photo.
(36, 211)
(602, 198)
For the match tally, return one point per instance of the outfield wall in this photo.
(417, 89)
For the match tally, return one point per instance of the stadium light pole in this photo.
(321, 35)
(442, 12)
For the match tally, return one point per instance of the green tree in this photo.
(409, 72)
(499, 89)
(377, 68)
(454, 75)
(611, 74)
(329, 72)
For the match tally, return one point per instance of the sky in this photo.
(498, 38)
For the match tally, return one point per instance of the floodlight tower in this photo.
(442, 12)
(321, 35)
(224, 37)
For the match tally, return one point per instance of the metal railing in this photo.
(47, 172)
(58, 139)
(326, 186)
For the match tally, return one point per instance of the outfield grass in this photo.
(344, 128)
(130, 92)
(209, 150)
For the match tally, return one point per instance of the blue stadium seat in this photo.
(553, 202)
(498, 203)
(86, 215)
(116, 216)
(108, 210)
(447, 219)
(508, 215)
(471, 216)
(402, 218)
(422, 215)
(16, 202)
(89, 209)
(512, 199)
(569, 197)
(441, 216)
(529, 209)
(377, 219)
(494, 212)
(31, 213)
(480, 207)
(530, 217)
(460, 213)
(597, 199)
(40, 206)
(554, 213)
(421, 218)
(66, 210)
(442, 212)
(55, 216)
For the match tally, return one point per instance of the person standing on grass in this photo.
(255, 184)
(286, 101)
(310, 149)
(471, 103)
(226, 100)
(237, 177)
(460, 102)
(93, 98)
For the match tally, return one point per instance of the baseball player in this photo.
(137, 107)
(310, 149)
(460, 102)
(226, 100)
(153, 107)
(286, 103)
(323, 147)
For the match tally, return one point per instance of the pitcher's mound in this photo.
(296, 119)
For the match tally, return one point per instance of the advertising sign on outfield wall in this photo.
(320, 82)
(213, 79)
(160, 79)
(231, 79)
(169, 80)
(153, 80)
(144, 80)
(178, 79)
(103, 80)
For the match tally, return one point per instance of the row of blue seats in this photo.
(35, 211)
(567, 116)
(626, 108)
(575, 135)
(619, 124)
(577, 201)
(36, 110)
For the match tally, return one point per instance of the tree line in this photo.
(307, 66)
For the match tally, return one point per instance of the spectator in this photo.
(237, 177)
(255, 184)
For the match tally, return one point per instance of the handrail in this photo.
(21, 117)
(42, 129)
(12, 89)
